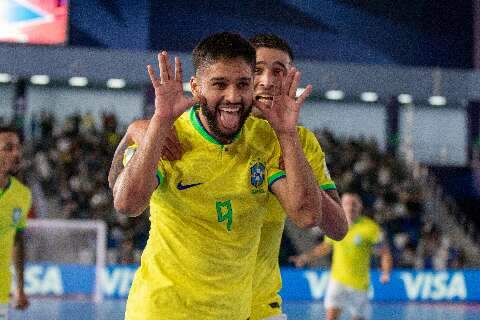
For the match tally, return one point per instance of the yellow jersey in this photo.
(351, 255)
(267, 280)
(15, 203)
(206, 216)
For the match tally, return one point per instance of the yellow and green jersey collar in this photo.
(197, 124)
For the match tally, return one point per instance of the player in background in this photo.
(15, 203)
(350, 272)
(207, 208)
(274, 58)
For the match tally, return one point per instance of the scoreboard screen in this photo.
(34, 21)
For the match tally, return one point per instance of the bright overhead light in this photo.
(116, 83)
(40, 79)
(5, 78)
(405, 98)
(369, 96)
(437, 100)
(78, 81)
(300, 91)
(334, 94)
(186, 87)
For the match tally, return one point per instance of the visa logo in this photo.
(41, 280)
(117, 282)
(434, 286)
(317, 283)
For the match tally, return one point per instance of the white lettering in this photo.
(32, 279)
(43, 280)
(412, 285)
(439, 286)
(434, 286)
(317, 284)
(118, 282)
(52, 282)
(457, 287)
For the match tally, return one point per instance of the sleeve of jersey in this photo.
(316, 158)
(22, 224)
(127, 156)
(273, 164)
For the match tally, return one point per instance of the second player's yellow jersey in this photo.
(205, 217)
(15, 203)
(267, 280)
(351, 255)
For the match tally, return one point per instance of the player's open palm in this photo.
(284, 111)
(170, 100)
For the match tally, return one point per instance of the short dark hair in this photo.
(219, 46)
(272, 41)
(9, 129)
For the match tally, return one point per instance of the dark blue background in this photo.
(409, 32)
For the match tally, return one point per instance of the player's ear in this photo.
(195, 87)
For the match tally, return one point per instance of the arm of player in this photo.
(21, 301)
(137, 181)
(318, 251)
(298, 193)
(386, 263)
(172, 149)
(334, 220)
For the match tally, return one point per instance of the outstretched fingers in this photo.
(293, 87)
(178, 70)
(287, 83)
(162, 65)
(153, 76)
(301, 99)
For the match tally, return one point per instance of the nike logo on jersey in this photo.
(181, 186)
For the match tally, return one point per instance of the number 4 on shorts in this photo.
(224, 212)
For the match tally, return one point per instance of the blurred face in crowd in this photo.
(271, 68)
(225, 89)
(10, 153)
(352, 205)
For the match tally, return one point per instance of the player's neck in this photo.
(4, 178)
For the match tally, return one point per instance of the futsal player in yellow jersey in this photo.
(15, 203)
(350, 272)
(273, 58)
(198, 263)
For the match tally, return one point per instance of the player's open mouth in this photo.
(267, 99)
(230, 117)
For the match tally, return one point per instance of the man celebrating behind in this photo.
(15, 203)
(207, 208)
(274, 59)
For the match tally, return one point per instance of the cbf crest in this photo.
(16, 215)
(257, 176)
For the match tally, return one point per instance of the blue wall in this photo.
(420, 33)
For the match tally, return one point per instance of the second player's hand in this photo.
(384, 278)
(170, 100)
(283, 112)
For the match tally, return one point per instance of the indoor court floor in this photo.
(53, 309)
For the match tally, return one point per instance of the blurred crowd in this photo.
(71, 160)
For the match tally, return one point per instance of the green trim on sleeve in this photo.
(160, 177)
(277, 176)
(20, 228)
(328, 186)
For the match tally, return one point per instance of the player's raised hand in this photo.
(170, 100)
(284, 111)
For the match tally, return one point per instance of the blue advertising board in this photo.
(298, 285)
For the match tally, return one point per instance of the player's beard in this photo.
(212, 120)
